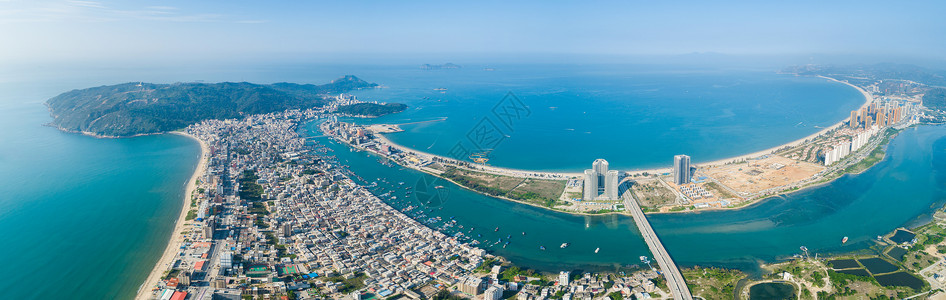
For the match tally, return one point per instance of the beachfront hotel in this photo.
(600, 183)
(681, 169)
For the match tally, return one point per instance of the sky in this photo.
(51, 31)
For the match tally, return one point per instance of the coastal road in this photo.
(676, 284)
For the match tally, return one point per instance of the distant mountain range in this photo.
(438, 67)
(142, 108)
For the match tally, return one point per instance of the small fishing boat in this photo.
(844, 240)
(542, 248)
(563, 245)
(597, 249)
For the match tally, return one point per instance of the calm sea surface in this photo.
(86, 218)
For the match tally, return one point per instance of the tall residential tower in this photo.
(681, 169)
(600, 183)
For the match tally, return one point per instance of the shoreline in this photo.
(868, 98)
(167, 258)
(505, 171)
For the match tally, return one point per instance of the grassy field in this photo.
(651, 193)
(535, 191)
(712, 283)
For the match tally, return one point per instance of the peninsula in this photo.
(138, 108)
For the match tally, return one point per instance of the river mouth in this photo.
(743, 239)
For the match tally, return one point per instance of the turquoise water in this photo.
(82, 218)
(634, 116)
(89, 217)
(903, 189)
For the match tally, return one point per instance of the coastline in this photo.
(868, 98)
(167, 258)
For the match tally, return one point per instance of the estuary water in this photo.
(902, 190)
(86, 218)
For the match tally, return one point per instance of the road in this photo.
(676, 284)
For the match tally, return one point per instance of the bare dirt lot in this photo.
(762, 174)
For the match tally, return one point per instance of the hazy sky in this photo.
(56, 30)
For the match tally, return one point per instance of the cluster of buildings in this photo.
(693, 191)
(565, 286)
(842, 149)
(601, 183)
(867, 122)
(882, 114)
(310, 230)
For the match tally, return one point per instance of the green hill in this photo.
(371, 109)
(141, 108)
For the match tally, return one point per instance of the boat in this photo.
(803, 248)
(844, 240)
(438, 187)
(563, 245)
(495, 230)
(597, 249)
(542, 248)
(523, 233)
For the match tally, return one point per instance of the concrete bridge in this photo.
(676, 284)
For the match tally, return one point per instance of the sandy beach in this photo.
(164, 264)
(515, 172)
(867, 100)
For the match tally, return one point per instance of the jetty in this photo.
(676, 284)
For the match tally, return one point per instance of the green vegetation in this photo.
(191, 214)
(841, 280)
(486, 265)
(140, 108)
(935, 99)
(171, 274)
(371, 109)
(445, 295)
(712, 283)
(511, 272)
(535, 191)
(349, 285)
(616, 296)
(249, 189)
